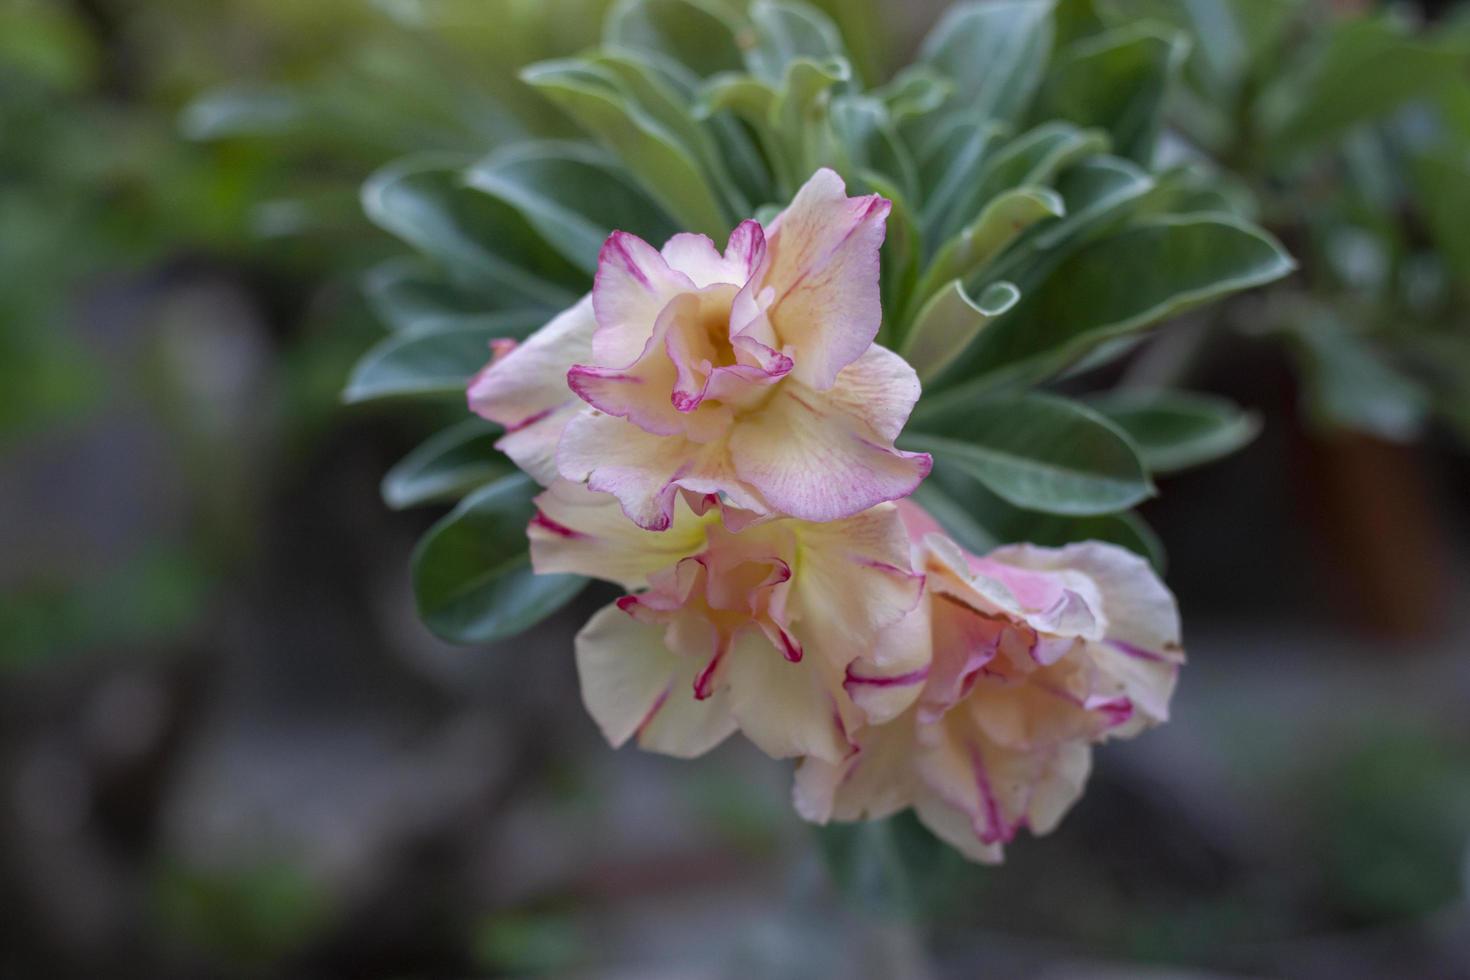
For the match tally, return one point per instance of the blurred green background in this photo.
(228, 748)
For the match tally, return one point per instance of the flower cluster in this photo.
(715, 433)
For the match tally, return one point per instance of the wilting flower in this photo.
(751, 373)
(736, 623)
(1036, 654)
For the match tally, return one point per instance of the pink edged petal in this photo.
(855, 583)
(965, 643)
(696, 257)
(890, 678)
(880, 388)
(958, 768)
(822, 263)
(634, 687)
(875, 781)
(954, 826)
(787, 709)
(810, 458)
(532, 446)
(525, 389)
(1032, 714)
(644, 471)
(746, 249)
(1138, 612)
(1002, 790)
(585, 533)
(692, 332)
(638, 393)
(667, 381)
(741, 384)
(633, 285)
(1146, 684)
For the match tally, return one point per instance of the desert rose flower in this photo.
(751, 373)
(748, 630)
(1037, 654)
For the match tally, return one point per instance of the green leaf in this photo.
(914, 92)
(1117, 285)
(1175, 430)
(991, 522)
(1098, 193)
(950, 160)
(665, 93)
(472, 574)
(948, 322)
(439, 363)
(446, 466)
(573, 195)
(1362, 70)
(800, 114)
(1116, 81)
(994, 53)
(786, 32)
(668, 171)
(1229, 35)
(409, 296)
(698, 35)
(474, 236)
(1036, 451)
(1195, 189)
(1034, 158)
(1002, 222)
(868, 142)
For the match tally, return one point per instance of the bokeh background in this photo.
(229, 749)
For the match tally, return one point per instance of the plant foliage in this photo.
(1036, 230)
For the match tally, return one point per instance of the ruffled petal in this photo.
(786, 708)
(696, 257)
(639, 391)
(526, 390)
(856, 582)
(1146, 684)
(953, 826)
(634, 687)
(1141, 616)
(1000, 790)
(888, 679)
(822, 264)
(645, 471)
(874, 781)
(880, 388)
(633, 285)
(811, 458)
(580, 531)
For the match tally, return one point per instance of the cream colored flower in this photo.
(750, 629)
(751, 373)
(1037, 653)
